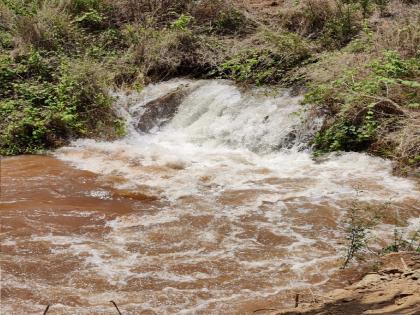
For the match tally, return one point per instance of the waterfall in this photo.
(218, 114)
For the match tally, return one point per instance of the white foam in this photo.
(237, 155)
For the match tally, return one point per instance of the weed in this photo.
(358, 221)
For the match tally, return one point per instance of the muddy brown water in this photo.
(219, 209)
(71, 240)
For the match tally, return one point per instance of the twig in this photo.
(264, 309)
(404, 264)
(297, 300)
(314, 300)
(46, 310)
(115, 304)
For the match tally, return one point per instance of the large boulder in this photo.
(159, 111)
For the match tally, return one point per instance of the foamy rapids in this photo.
(245, 212)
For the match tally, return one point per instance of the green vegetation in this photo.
(59, 59)
(364, 102)
(369, 89)
(358, 224)
(45, 101)
(359, 60)
(403, 242)
(267, 64)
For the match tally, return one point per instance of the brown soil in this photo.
(394, 289)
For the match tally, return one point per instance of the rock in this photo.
(392, 271)
(369, 279)
(158, 112)
(408, 273)
(415, 275)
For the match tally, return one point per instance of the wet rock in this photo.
(158, 112)
(391, 271)
(415, 276)
(408, 273)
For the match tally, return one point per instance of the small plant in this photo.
(91, 19)
(182, 22)
(357, 224)
(404, 243)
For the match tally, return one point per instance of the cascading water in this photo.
(228, 209)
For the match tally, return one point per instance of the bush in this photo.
(334, 23)
(221, 18)
(341, 28)
(366, 105)
(268, 64)
(164, 53)
(40, 110)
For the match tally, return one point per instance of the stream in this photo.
(217, 208)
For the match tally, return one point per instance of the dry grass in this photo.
(402, 145)
(6, 17)
(147, 12)
(308, 17)
(401, 33)
(51, 28)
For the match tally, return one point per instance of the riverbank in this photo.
(394, 289)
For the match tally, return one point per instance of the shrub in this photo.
(342, 27)
(165, 53)
(334, 23)
(367, 104)
(41, 110)
(220, 17)
(268, 64)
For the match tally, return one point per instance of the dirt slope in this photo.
(394, 289)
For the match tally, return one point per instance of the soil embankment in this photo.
(394, 289)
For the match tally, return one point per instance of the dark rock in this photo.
(158, 112)
(391, 271)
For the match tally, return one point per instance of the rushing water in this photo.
(219, 209)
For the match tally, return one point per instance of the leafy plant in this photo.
(40, 110)
(400, 243)
(182, 22)
(365, 102)
(358, 221)
(90, 19)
